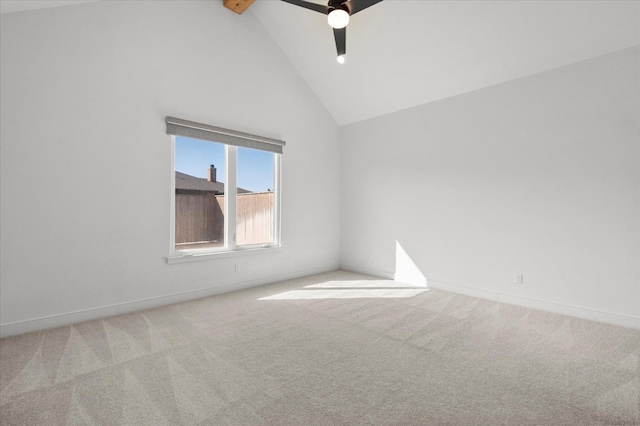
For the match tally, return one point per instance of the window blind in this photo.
(191, 129)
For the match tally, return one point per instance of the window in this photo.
(225, 195)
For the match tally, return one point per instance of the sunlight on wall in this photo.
(406, 270)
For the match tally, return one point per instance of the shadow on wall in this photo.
(406, 269)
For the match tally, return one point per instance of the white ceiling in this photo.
(403, 53)
(11, 6)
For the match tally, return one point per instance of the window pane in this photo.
(255, 200)
(199, 196)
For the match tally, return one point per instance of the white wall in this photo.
(539, 176)
(85, 160)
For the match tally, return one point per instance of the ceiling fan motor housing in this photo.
(338, 4)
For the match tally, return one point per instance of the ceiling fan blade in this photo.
(308, 5)
(356, 6)
(341, 40)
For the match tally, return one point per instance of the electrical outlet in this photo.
(518, 279)
(237, 267)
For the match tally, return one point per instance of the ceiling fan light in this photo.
(338, 18)
(341, 59)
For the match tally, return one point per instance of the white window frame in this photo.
(230, 190)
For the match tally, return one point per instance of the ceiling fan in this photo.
(338, 13)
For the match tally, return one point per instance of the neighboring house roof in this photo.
(187, 182)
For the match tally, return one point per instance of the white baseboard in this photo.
(368, 271)
(414, 280)
(542, 305)
(27, 326)
(58, 320)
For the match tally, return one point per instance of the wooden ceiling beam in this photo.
(238, 6)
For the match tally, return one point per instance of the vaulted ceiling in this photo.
(403, 53)
(11, 6)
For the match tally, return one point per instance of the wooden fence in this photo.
(254, 218)
(200, 219)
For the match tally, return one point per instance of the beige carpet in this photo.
(332, 349)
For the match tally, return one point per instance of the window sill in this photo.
(194, 256)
